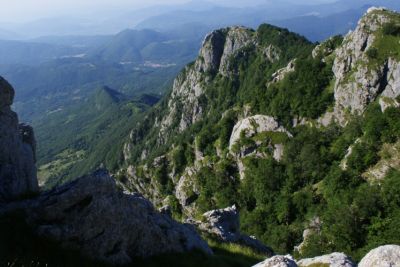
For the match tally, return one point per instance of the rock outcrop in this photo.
(278, 261)
(224, 225)
(313, 228)
(359, 81)
(389, 160)
(92, 216)
(254, 125)
(384, 256)
(332, 260)
(281, 73)
(250, 127)
(18, 147)
(187, 190)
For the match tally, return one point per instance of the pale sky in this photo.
(17, 10)
(27, 10)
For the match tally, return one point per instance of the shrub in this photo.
(391, 29)
(372, 53)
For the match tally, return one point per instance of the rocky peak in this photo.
(184, 106)
(212, 50)
(360, 77)
(220, 45)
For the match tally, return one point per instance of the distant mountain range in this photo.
(165, 17)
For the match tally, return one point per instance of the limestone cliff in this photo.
(363, 68)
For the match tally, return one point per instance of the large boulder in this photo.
(332, 260)
(224, 225)
(384, 256)
(92, 216)
(278, 261)
(17, 146)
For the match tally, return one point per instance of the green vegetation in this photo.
(303, 93)
(93, 132)
(391, 28)
(386, 43)
(277, 200)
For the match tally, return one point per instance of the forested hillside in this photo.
(297, 135)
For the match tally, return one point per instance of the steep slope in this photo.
(258, 120)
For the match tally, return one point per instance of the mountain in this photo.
(29, 53)
(64, 70)
(265, 133)
(318, 28)
(298, 136)
(315, 21)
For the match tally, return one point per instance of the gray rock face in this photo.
(314, 227)
(236, 39)
(384, 256)
(332, 260)
(18, 147)
(92, 216)
(215, 56)
(253, 125)
(187, 190)
(224, 225)
(281, 73)
(278, 261)
(357, 82)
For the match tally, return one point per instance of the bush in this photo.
(391, 29)
(372, 53)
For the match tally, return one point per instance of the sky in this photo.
(26, 10)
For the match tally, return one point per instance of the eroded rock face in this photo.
(332, 260)
(278, 261)
(184, 106)
(92, 216)
(281, 73)
(253, 125)
(384, 256)
(18, 147)
(225, 226)
(358, 83)
(313, 228)
(250, 127)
